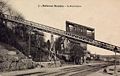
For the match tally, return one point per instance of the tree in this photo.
(6, 33)
(58, 42)
(48, 44)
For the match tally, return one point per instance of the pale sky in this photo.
(103, 15)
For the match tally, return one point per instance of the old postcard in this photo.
(59, 38)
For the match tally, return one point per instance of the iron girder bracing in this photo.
(63, 33)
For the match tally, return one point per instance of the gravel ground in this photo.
(109, 72)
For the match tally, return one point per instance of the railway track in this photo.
(71, 71)
(87, 71)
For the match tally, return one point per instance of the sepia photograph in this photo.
(59, 38)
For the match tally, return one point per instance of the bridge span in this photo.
(33, 25)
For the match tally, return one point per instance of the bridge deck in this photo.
(55, 31)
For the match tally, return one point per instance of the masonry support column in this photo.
(84, 57)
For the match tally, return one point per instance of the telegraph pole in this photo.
(29, 42)
(115, 68)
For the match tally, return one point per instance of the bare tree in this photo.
(2, 6)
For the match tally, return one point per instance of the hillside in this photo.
(12, 59)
